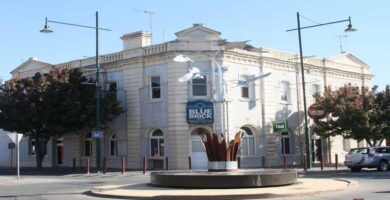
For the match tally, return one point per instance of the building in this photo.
(164, 116)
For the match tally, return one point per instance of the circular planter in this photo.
(218, 166)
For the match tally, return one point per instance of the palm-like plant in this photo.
(218, 149)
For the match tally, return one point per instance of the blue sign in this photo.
(200, 112)
(96, 134)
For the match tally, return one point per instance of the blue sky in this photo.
(263, 22)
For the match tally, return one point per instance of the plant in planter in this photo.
(222, 155)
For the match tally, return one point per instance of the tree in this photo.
(53, 104)
(354, 112)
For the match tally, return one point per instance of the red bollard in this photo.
(87, 165)
(336, 160)
(189, 162)
(144, 165)
(104, 165)
(238, 162)
(304, 162)
(285, 161)
(74, 165)
(263, 161)
(166, 163)
(322, 162)
(123, 165)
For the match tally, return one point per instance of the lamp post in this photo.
(47, 29)
(299, 28)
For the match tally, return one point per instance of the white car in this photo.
(368, 157)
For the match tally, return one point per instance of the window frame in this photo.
(88, 139)
(284, 92)
(285, 140)
(113, 140)
(152, 87)
(246, 143)
(160, 144)
(205, 84)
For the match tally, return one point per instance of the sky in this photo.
(263, 22)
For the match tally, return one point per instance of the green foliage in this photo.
(356, 113)
(53, 104)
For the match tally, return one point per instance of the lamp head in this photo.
(182, 58)
(46, 28)
(350, 29)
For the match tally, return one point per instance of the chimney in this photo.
(136, 40)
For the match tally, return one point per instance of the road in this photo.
(373, 185)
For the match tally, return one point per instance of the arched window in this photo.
(88, 145)
(157, 143)
(113, 145)
(248, 143)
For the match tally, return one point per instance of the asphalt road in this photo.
(373, 185)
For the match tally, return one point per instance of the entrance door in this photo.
(316, 147)
(198, 153)
(60, 151)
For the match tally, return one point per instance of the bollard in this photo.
(87, 165)
(336, 160)
(322, 162)
(304, 163)
(238, 162)
(123, 165)
(166, 163)
(104, 165)
(144, 165)
(74, 165)
(263, 161)
(285, 161)
(189, 162)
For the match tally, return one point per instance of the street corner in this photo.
(303, 187)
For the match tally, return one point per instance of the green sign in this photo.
(280, 126)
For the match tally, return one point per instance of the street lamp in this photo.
(348, 29)
(46, 29)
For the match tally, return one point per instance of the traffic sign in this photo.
(13, 137)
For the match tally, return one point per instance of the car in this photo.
(368, 157)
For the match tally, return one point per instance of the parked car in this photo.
(368, 157)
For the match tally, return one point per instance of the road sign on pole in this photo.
(15, 137)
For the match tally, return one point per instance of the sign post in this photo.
(16, 137)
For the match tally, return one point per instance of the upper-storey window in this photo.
(199, 87)
(315, 88)
(155, 87)
(245, 88)
(284, 91)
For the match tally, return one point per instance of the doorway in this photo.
(316, 147)
(60, 150)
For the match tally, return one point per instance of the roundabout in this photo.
(227, 179)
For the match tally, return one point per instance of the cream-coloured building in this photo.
(164, 115)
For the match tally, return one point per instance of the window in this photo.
(199, 86)
(32, 147)
(285, 145)
(245, 88)
(113, 145)
(248, 143)
(32, 150)
(88, 145)
(284, 91)
(157, 143)
(315, 88)
(112, 88)
(155, 87)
